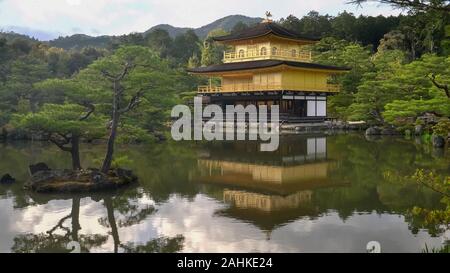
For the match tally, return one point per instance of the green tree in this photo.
(369, 30)
(378, 88)
(185, 46)
(132, 76)
(291, 22)
(424, 27)
(346, 54)
(63, 125)
(344, 26)
(315, 25)
(425, 87)
(393, 40)
(160, 41)
(23, 73)
(212, 53)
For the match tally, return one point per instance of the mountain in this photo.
(10, 36)
(226, 23)
(173, 31)
(33, 33)
(79, 41)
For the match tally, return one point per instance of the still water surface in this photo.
(315, 194)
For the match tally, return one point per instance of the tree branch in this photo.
(126, 70)
(106, 74)
(60, 144)
(419, 5)
(134, 102)
(90, 107)
(65, 137)
(444, 87)
(117, 78)
(433, 188)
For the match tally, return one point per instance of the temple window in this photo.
(274, 51)
(263, 51)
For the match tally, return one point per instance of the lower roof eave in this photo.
(263, 64)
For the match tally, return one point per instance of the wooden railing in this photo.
(232, 56)
(209, 89)
(250, 87)
(333, 87)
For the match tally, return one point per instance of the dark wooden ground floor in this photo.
(294, 107)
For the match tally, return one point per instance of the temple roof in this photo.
(227, 67)
(264, 29)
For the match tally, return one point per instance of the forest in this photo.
(400, 75)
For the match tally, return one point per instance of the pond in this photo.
(316, 193)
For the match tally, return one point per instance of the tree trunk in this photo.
(112, 223)
(110, 147)
(413, 51)
(112, 137)
(75, 152)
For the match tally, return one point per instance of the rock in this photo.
(69, 181)
(373, 131)
(418, 130)
(428, 119)
(38, 168)
(389, 132)
(7, 179)
(376, 131)
(438, 141)
(97, 177)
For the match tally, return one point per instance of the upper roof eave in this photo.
(264, 29)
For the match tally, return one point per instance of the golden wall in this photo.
(288, 79)
(305, 80)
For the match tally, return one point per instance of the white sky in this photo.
(95, 17)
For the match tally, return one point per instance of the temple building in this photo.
(270, 65)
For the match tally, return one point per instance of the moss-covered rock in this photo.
(69, 181)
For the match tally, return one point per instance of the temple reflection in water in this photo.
(268, 189)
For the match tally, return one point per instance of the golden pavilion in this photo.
(271, 65)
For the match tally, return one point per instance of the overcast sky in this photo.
(96, 17)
